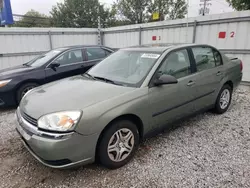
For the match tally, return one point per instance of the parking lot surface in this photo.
(207, 150)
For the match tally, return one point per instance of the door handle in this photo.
(190, 83)
(219, 73)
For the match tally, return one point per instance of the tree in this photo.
(114, 19)
(133, 11)
(240, 4)
(178, 9)
(33, 19)
(172, 9)
(140, 11)
(79, 13)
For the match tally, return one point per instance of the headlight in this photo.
(4, 82)
(60, 121)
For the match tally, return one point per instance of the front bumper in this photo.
(7, 99)
(57, 150)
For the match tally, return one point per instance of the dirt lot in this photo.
(205, 151)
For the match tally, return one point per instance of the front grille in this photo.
(28, 118)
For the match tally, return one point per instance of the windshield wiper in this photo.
(107, 80)
(26, 64)
(90, 76)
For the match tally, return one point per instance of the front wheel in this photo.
(118, 144)
(223, 100)
(23, 90)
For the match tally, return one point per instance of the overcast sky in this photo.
(44, 6)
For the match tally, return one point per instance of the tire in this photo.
(24, 89)
(222, 108)
(126, 147)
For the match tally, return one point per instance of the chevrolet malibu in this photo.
(103, 114)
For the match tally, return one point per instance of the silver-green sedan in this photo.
(104, 114)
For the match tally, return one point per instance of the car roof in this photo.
(159, 47)
(82, 46)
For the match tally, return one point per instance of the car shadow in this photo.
(6, 109)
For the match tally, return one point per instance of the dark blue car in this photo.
(53, 65)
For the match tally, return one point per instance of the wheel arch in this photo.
(230, 83)
(131, 117)
(19, 85)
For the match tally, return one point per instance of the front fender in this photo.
(97, 117)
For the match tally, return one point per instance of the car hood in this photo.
(74, 93)
(14, 71)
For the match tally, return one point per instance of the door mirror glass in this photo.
(165, 79)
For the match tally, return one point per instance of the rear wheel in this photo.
(223, 100)
(118, 144)
(23, 90)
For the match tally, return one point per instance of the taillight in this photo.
(241, 65)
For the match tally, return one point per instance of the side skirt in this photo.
(173, 125)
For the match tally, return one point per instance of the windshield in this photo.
(128, 68)
(42, 59)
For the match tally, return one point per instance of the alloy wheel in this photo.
(224, 99)
(121, 145)
(26, 90)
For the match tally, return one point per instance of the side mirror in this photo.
(54, 65)
(165, 79)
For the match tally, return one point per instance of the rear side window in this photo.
(95, 53)
(204, 58)
(217, 57)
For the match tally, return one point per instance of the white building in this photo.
(212, 7)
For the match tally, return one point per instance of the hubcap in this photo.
(224, 99)
(120, 145)
(26, 90)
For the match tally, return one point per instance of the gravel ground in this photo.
(205, 151)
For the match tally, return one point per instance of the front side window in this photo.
(126, 67)
(204, 58)
(95, 53)
(74, 56)
(176, 64)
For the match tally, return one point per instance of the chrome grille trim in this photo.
(34, 129)
(28, 118)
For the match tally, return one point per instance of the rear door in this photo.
(210, 72)
(70, 63)
(94, 55)
(172, 102)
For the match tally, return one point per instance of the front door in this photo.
(69, 63)
(172, 102)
